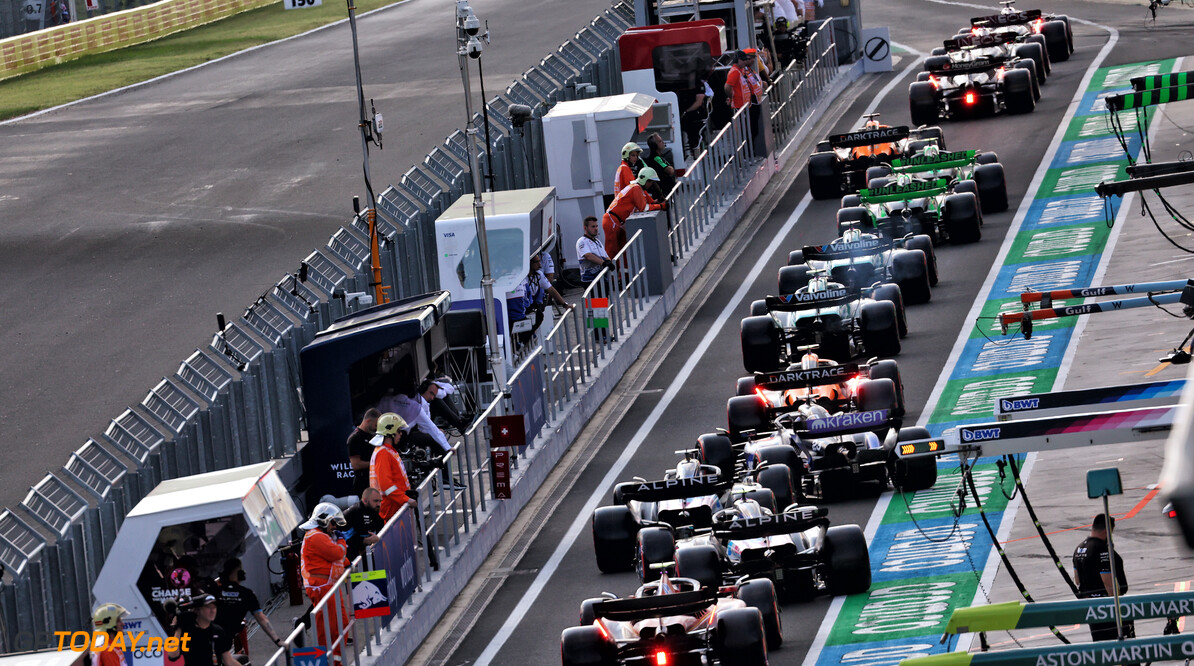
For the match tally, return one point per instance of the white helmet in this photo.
(815, 411)
(817, 284)
(688, 469)
(809, 362)
(325, 514)
(851, 235)
(931, 150)
(903, 179)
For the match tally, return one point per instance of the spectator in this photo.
(360, 451)
(1094, 577)
(108, 618)
(234, 601)
(744, 88)
(660, 159)
(364, 522)
(630, 199)
(628, 169)
(323, 563)
(590, 252)
(209, 644)
(386, 472)
(530, 296)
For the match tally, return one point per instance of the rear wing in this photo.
(1014, 18)
(671, 489)
(954, 160)
(869, 137)
(956, 68)
(789, 522)
(847, 423)
(979, 41)
(839, 250)
(904, 192)
(797, 379)
(644, 608)
(830, 298)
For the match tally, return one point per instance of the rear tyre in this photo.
(1030, 67)
(760, 344)
(912, 474)
(760, 594)
(796, 257)
(746, 386)
(891, 370)
(588, 613)
(614, 536)
(910, 270)
(1040, 41)
(745, 413)
(655, 545)
(717, 450)
(699, 563)
(880, 332)
(849, 560)
(824, 176)
(875, 394)
(922, 102)
(758, 308)
(778, 479)
(987, 157)
(739, 639)
(764, 497)
(925, 244)
(856, 216)
(992, 187)
(587, 646)
(1057, 42)
(881, 171)
(891, 293)
(850, 201)
(1036, 53)
(1017, 91)
(792, 278)
(971, 187)
(962, 218)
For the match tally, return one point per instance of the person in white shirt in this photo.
(408, 402)
(590, 252)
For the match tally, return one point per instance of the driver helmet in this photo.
(931, 150)
(388, 425)
(980, 31)
(630, 147)
(816, 411)
(687, 469)
(903, 179)
(871, 124)
(749, 508)
(809, 362)
(666, 586)
(817, 283)
(325, 514)
(645, 174)
(851, 235)
(106, 617)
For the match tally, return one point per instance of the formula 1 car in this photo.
(983, 42)
(1053, 30)
(963, 85)
(676, 620)
(859, 260)
(909, 206)
(840, 163)
(844, 323)
(830, 384)
(964, 171)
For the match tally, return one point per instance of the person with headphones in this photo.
(324, 561)
(629, 167)
(234, 601)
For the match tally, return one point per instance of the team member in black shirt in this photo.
(209, 644)
(1092, 573)
(364, 522)
(234, 601)
(360, 451)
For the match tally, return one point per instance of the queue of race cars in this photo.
(740, 521)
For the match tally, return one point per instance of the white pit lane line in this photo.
(583, 516)
(990, 568)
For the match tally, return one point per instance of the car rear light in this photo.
(936, 84)
(603, 630)
(1172, 513)
(970, 99)
(661, 658)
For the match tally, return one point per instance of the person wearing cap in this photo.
(108, 618)
(324, 561)
(628, 169)
(209, 644)
(629, 200)
(744, 88)
(234, 601)
(386, 472)
(1093, 576)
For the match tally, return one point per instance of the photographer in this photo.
(209, 644)
(324, 562)
(530, 296)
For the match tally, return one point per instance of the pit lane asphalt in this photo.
(128, 221)
(1021, 143)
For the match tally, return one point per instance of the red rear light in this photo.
(661, 658)
(604, 632)
(936, 84)
(1172, 513)
(970, 99)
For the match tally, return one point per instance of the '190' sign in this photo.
(298, 4)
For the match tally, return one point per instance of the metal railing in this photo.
(798, 87)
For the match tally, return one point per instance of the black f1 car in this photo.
(964, 84)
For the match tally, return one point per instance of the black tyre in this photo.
(746, 386)
(740, 639)
(760, 594)
(931, 63)
(1036, 53)
(587, 646)
(992, 187)
(588, 614)
(760, 344)
(778, 479)
(655, 545)
(910, 269)
(1069, 31)
(925, 244)
(971, 187)
(850, 201)
(875, 394)
(1017, 91)
(849, 560)
(823, 147)
(922, 102)
(700, 563)
(758, 308)
(937, 51)
(1030, 67)
(824, 176)
(879, 171)
(764, 497)
(796, 257)
(891, 370)
(891, 293)
(880, 332)
(745, 413)
(912, 474)
(922, 76)
(1040, 41)
(1057, 42)
(878, 183)
(856, 216)
(614, 535)
(716, 449)
(987, 157)
(933, 133)
(961, 215)
(792, 278)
